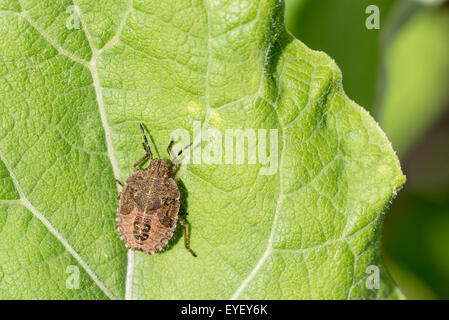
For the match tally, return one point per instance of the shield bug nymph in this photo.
(148, 205)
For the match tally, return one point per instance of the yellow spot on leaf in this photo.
(215, 118)
(194, 108)
(255, 80)
(384, 170)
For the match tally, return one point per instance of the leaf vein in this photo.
(25, 202)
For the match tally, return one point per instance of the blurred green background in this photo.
(400, 74)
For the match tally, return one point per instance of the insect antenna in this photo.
(145, 144)
(174, 158)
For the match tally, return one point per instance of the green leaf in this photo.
(70, 106)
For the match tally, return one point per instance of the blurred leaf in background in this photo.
(416, 237)
(413, 111)
(337, 27)
(401, 74)
(416, 73)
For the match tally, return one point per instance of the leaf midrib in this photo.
(107, 129)
(91, 65)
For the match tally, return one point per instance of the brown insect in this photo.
(148, 204)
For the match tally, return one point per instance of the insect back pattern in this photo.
(149, 203)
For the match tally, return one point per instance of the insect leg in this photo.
(169, 149)
(119, 182)
(173, 169)
(183, 224)
(172, 158)
(145, 157)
